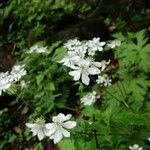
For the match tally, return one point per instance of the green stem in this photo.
(124, 88)
(120, 90)
(112, 96)
(37, 112)
(95, 135)
(122, 95)
(61, 106)
(96, 140)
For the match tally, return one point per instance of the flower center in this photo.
(57, 122)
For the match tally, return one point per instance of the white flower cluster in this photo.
(79, 59)
(56, 130)
(6, 79)
(89, 99)
(17, 72)
(104, 79)
(94, 45)
(135, 147)
(114, 43)
(37, 49)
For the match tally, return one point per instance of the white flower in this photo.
(107, 82)
(83, 70)
(77, 59)
(104, 80)
(41, 49)
(32, 49)
(81, 50)
(90, 123)
(89, 99)
(101, 79)
(103, 64)
(57, 129)
(71, 44)
(37, 49)
(17, 72)
(135, 147)
(94, 45)
(38, 128)
(5, 81)
(23, 84)
(73, 57)
(70, 60)
(149, 139)
(114, 43)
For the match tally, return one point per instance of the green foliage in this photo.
(25, 22)
(126, 98)
(137, 45)
(120, 116)
(66, 145)
(48, 76)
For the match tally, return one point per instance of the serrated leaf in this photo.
(131, 119)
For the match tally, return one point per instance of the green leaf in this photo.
(137, 87)
(141, 40)
(66, 144)
(59, 54)
(90, 111)
(131, 119)
(39, 78)
(134, 52)
(144, 58)
(51, 86)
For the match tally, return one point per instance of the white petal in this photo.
(57, 136)
(100, 48)
(49, 126)
(96, 64)
(85, 78)
(63, 118)
(130, 147)
(40, 135)
(135, 146)
(49, 133)
(65, 132)
(76, 74)
(67, 117)
(60, 115)
(46, 132)
(102, 43)
(35, 131)
(69, 124)
(93, 70)
(50, 129)
(30, 125)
